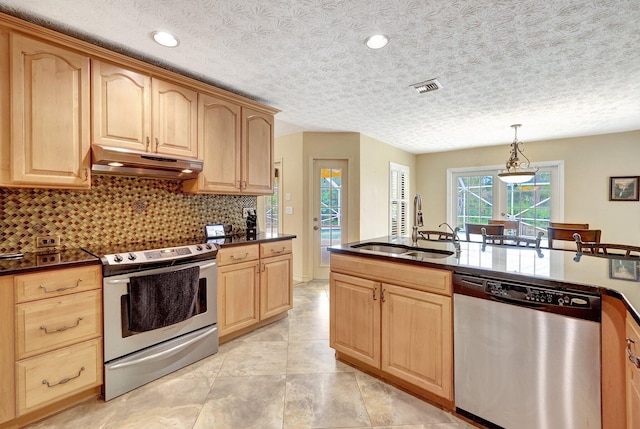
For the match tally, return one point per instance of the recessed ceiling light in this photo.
(377, 41)
(165, 39)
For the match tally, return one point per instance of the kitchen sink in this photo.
(402, 250)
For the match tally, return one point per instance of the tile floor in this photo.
(281, 376)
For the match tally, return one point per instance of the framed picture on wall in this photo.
(623, 188)
(624, 269)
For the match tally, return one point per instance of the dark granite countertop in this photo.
(238, 240)
(35, 261)
(555, 268)
(70, 257)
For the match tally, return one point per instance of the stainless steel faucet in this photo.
(455, 239)
(417, 218)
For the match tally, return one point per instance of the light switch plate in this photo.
(288, 210)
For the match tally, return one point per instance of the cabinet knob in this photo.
(316, 227)
(635, 360)
(148, 143)
(157, 144)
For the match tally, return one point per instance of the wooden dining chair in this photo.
(569, 225)
(566, 234)
(508, 225)
(512, 240)
(476, 228)
(606, 249)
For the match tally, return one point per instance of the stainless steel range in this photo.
(160, 310)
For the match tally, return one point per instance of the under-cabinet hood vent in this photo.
(117, 161)
(427, 86)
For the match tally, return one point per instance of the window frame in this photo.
(499, 198)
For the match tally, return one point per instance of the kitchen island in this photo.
(615, 280)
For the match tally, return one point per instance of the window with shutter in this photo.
(398, 199)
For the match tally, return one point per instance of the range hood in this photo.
(110, 160)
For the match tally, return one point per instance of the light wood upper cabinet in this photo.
(219, 143)
(175, 119)
(49, 116)
(134, 111)
(121, 107)
(257, 152)
(237, 147)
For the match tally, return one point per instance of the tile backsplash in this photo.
(115, 210)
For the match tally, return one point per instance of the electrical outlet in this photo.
(48, 241)
(247, 210)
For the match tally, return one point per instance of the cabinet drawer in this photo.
(275, 248)
(413, 276)
(67, 371)
(232, 255)
(47, 284)
(56, 322)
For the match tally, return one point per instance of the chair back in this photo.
(606, 249)
(437, 235)
(569, 225)
(566, 234)
(512, 240)
(476, 228)
(508, 224)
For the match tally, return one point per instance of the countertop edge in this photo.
(435, 263)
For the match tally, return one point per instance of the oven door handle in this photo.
(169, 269)
(164, 353)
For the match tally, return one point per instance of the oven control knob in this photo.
(117, 258)
(208, 246)
(132, 257)
(199, 247)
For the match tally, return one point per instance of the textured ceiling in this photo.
(562, 68)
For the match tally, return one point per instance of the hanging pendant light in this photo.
(516, 172)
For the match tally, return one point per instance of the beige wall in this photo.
(588, 164)
(368, 186)
(374, 177)
(288, 149)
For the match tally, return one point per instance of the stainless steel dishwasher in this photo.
(526, 356)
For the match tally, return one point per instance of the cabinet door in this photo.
(238, 296)
(175, 119)
(355, 318)
(276, 285)
(257, 152)
(219, 144)
(121, 107)
(49, 115)
(417, 339)
(633, 376)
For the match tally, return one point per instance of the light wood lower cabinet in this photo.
(404, 331)
(633, 375)
(238, 296)
(252, 288)
(51, 341)
(51, 376)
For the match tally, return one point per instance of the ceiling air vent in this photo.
(427, 86)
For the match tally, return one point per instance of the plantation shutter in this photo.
(398, 199)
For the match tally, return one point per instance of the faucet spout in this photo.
(417, 218)
(455, 239)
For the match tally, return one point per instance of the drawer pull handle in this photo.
(635, 360)
(64, 328)
(60, 289)
(64, 380)
(240, 258)
(278, 251)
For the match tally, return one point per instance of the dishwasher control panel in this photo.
(537, 294)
